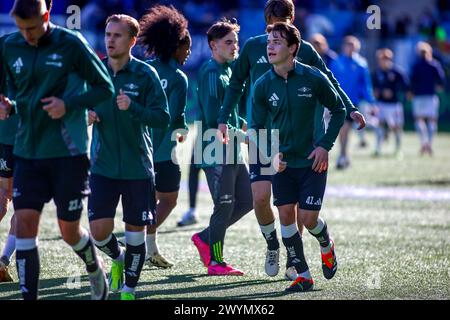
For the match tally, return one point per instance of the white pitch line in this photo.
(364, 192)
(394, 193)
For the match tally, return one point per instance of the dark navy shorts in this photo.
(299, 185)
(255, 172)
(65, 180)
(138, 199)
(6, 161)
(167, 176)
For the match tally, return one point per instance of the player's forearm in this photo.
(336, 121)
(152, 116)
(233, 94)
(93, 97)
(178, 122)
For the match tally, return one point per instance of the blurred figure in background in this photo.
(320, 43)
(427, 78)
(328, 56)
(190, 216)
(352, 72)
(389, 82)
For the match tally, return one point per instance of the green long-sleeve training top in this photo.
(213, 80)
(175, 85)
(253, 62)
(45, 70)
(290, 105)
(121, 145)
(8, 127)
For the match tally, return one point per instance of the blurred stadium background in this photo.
(403, 24)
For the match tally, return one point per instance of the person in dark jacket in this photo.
(427, 78)
(51, 141)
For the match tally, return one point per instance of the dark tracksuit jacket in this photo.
(290, 105)
(8, 127)
(48, 70)
(175, 85)
(253, 63)
(121, 142)
(229, 184)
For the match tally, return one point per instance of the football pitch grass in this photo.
(390, 245)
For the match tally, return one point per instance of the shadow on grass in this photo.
(206, 289)
(56, 289)
(50, 289)
(188, 229)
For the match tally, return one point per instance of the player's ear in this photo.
(133, 41)
(46, 16)
(212, 45)
(293, 49)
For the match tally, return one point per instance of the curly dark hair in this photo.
(163, 30)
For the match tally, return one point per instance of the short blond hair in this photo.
(132, 23)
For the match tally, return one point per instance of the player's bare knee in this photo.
(26, 224)
(309, 221)
(168, 201)
(172, 203)
(261, 200)
(100, 231)
(70, 232)
(133, 228)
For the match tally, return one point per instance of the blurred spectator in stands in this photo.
(352, 72)
(320, 43)
(390, 85)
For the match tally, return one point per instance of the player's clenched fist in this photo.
(123, 101)
(278, 163)
(55, 107)
(92, 117)
(5, 107)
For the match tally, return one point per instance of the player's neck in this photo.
(218, 58)
(284, 68)
(117, 63)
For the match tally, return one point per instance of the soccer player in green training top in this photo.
(227, 176)
(252, 63)
(51, 142)
(288, 95)
(164, 34)
(121, 154)
(8, 129)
